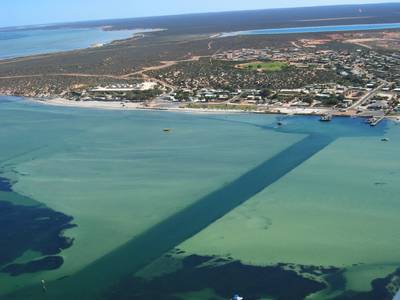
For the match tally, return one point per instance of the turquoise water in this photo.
(306, 193)
(39, 41)
(313, 29)
(118, 174)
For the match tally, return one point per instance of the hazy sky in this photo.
(25, 12)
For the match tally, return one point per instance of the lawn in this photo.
(269, 66)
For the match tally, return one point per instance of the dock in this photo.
(374, 121)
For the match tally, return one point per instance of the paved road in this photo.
(367, 97)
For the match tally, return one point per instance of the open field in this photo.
(268, 66)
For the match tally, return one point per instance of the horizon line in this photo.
(189, 14)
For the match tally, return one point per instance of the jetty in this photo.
(374, 121)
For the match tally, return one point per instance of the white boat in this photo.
(326, 118)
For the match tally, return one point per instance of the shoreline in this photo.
(127, 106)
(134, 33)
(325, 29)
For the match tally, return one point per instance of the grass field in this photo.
(269, 66)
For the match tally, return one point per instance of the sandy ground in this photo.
(123, 106)
(140, 106)
(159, 107)
(87, 104)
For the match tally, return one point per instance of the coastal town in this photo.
(338, 74)
(306, 78)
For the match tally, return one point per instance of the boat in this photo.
(237, 297)
(385, 140)
(280, 124)
(326, 118)
(44, 286)
(167, 129)
(371, 120)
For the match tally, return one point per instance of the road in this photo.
(163, 65)
(141, 73)
(367, 97)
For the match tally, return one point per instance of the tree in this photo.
(265, 93)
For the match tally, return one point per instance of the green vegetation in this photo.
(266, 66)
(266, 93)
(215, 74)
(333, 100)
(143, 95)
(182, 95)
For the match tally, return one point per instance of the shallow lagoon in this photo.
(118, 173)
(339, 209)
(123, 180)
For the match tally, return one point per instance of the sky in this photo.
(28, 12)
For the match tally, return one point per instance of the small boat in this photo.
(371, 120)
(326, 118)
(280, 124)
(167, 129)
(237, 297)
(44, 286)
(385, 140)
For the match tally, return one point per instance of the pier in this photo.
(374, 121)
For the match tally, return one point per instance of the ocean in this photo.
(104, 204)
(26, 42)
(234, 190)
(315, 29)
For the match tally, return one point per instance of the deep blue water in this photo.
(5, 185)
(333, 28)
(11, 36)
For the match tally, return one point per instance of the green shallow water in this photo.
(234, 185)
(339, 208)
(118, 173)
